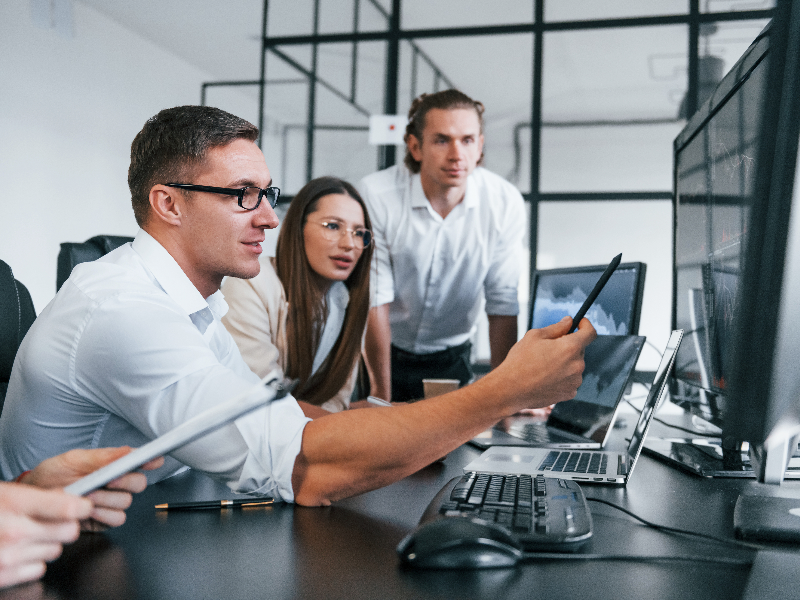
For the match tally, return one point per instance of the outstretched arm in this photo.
(356, 451)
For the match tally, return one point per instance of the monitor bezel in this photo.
(639, 268)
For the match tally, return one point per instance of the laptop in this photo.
(596, 466)
(556, 293)
(587, 420)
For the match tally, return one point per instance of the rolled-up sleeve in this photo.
(278, 432)
(502, 278)
(381, 218)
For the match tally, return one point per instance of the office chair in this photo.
(16, 316)
(73, 253)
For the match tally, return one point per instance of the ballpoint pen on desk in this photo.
(210, 504)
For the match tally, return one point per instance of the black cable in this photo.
(670, 425)
(632, 406)
(692, 431)
(656, 348)
(726, 541)
(531, 556)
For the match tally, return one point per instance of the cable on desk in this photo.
(687, 430)
(670, 425)
(735, 562)
(737, 543)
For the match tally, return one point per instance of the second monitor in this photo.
(557, 293)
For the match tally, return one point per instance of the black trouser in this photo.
(409, 369)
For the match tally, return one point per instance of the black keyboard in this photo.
(544, 514)
(575, 462)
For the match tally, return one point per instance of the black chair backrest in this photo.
(16, 317)
(73, 253)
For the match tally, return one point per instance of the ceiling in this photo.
(221, 38)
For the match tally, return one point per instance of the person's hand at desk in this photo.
(35, 522)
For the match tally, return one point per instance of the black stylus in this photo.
(612, 266)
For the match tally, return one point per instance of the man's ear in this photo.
(167, 205)
(414, 146)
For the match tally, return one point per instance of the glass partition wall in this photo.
(583, 100)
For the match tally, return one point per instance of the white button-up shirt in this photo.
(127, 350)
(431, 270)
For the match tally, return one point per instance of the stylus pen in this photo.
(241, 503)
(612, 266)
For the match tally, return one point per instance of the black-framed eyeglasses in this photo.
(249, 197)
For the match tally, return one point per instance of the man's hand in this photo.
(546, 365)
(34, 524)
(111, 501)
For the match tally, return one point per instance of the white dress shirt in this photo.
(127, 350)
(432, 270)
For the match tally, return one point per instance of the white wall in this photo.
(69, 109)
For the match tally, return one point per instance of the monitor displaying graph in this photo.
(557, 293)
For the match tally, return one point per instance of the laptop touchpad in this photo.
(513, 458)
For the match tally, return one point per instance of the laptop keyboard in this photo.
(537, 433)
(575, 462)
(542, 513)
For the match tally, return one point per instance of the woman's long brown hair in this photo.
(305, 292)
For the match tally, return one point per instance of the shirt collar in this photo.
(339, 295)
(172, 279)
(419, 200)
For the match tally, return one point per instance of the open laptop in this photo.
(586, 420)
(596, 466)
(556, 293)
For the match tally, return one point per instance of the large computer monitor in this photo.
(557, 293)
(737, 263)
(763, 367)
(716, 160)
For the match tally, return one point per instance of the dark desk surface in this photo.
(347, 550)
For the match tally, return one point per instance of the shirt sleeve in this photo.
(381, 281)
(176, 376)
(502, 279)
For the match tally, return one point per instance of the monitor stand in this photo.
(765, 515)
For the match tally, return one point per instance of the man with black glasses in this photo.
(448, 236)
(132, 345)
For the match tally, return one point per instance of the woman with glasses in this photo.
(306, 311)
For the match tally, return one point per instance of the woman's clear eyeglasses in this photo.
(249, 197)
(333, 231)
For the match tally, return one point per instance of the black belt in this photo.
(448, 354)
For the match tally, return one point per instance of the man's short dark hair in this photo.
(173, 144)
(445, 100)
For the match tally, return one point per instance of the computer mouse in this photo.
(459, 543)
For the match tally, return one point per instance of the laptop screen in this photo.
(655, 397)
(557, 293)
(609, 360)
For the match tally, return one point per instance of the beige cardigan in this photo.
(257, 321)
